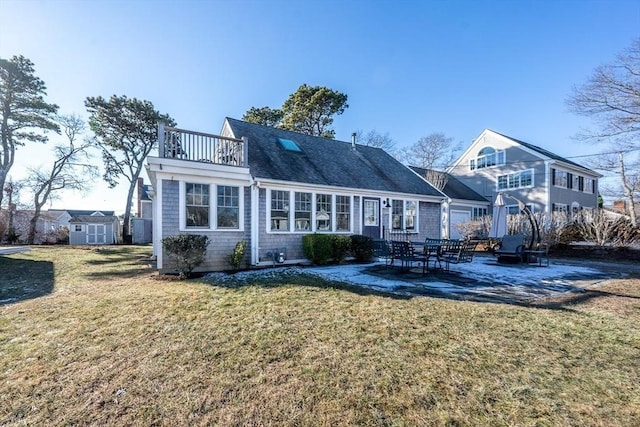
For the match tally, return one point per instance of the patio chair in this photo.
(511, 248)
(403, 251)
(458, 253)
(381, 250)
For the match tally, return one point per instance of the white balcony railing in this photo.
(201, 147)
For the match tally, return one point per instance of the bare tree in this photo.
(70, 171)
(434, 151)
(436, 178)
(373, 138)
(611, 97)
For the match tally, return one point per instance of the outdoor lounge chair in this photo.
(511, 248)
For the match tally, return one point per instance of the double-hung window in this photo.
(397, 209)
(323, 212)
(279, 210)
(410, 210)
(404, 215)
(343, 212)
(560, 178)
(303, 209)
(197, 205)
(228, 207)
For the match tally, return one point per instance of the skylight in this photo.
(289, 145)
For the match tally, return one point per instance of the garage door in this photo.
(456, 218)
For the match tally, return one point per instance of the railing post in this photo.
(245, 151)
(161, 152)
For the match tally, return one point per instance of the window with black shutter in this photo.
(553, 176)
(569, 180)
(581, 183)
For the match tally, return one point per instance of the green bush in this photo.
(187, 250)
(318, 248)
(235, 259)
(341, 245)
(362, 247)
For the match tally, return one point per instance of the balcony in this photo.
(174, 143)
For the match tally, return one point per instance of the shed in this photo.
(94, 230)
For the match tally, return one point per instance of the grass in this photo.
(104, 343)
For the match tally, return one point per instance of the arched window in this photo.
(487, 157)
(486, 150)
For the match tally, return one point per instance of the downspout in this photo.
(157, 224)
(255, 222)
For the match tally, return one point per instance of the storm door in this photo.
(371, 217)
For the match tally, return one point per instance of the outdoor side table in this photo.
(540, 256)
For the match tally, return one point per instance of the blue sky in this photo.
(410, 68)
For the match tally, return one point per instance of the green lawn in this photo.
(95, 338)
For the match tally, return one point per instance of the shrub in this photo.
(187, 250)
(317, 248)
(235, 259)
(340, 247)
(362, 247)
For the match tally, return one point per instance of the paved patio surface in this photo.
(482, 280)
(8, 250)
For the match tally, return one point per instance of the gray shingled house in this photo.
(270, 187)
(462, 204)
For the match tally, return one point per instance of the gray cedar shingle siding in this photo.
(221, 243)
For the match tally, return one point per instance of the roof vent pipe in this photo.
(353, 141)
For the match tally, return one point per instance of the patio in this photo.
(481, 280)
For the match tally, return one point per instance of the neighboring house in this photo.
(142, 223)
(94, 229)
(65, 215)
(48, 225)
(145, 205)
(270, 187)
(462, 204)
(541, 179)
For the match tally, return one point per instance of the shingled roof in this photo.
(454, 188)
(92, 219)
(541, 150)
(325, 162)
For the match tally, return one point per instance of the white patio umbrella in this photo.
(499, 220)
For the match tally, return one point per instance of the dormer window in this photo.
(486, 158)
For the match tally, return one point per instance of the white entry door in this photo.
(456, 218)
(96, 234)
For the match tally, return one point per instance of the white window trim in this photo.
(312, 228)
(213, 207)
(416, 221)
(563, 205)
(495, 153)
(566, 184)
(588, 189)
(533, 180)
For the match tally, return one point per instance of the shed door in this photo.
(96, 234)
(371, 217)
